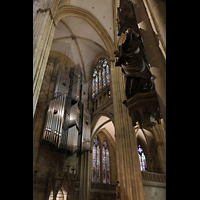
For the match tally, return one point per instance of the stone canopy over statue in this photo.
(140, 91)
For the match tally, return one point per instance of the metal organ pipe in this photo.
(64, 124)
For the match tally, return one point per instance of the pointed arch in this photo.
(74, 11)
(108, 171)
(100, 114)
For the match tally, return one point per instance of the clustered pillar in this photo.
(43, 31)
(129, 174)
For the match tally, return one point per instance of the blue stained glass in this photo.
(100, 83)
(93, 88)
(105, 63)
(104, 77)
(96, 92)
(107, 75)
(105, 143)
(140, 150)
(106, 164)
(101, 77)
(96, 140)
(142, 158)
(96, 161)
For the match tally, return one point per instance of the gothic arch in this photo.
(74, 11)
(103, 133)
(99, 115)
(147, 140)
(107, 135)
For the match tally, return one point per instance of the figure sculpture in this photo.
(131, 57)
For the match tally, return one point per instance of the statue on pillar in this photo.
(140, 92)
(118, 191)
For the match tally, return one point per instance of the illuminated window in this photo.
(100, 77)
(96, 161)
(106, 163)
(142, 158)
(59, 196)
(98, 164)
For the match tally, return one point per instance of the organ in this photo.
(67, 126)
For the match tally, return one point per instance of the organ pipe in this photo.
(68, 120)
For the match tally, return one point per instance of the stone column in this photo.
(84, 176)
(37, 130)
(153, 54)
(43, 31)
(129, 174)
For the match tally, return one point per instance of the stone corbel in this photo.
(144, 108)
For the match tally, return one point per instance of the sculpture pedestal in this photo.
(144, 107)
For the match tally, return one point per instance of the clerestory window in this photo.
(100, 77)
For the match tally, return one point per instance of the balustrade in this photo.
(102, 100)
(154, 177)
(102, 186)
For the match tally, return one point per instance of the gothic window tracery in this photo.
(100, 162)
(100, 77)
(106, 163)
(96, 161)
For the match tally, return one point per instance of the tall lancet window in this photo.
(96, 161)
(106, 162)
(100, 161)
(142, 159)
(100, 77)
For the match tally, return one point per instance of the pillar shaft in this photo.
(129, 174)
(84, 176)
(43, 31)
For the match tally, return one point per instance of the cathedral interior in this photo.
(99, 100)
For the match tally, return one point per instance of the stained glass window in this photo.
(106, 164)
(107, 75)
(93, 88)
(142, 158)
(96, 161)
(101, 77)
(104, 77)
(100, 82)
(96, 92)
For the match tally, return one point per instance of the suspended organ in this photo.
(68, 121)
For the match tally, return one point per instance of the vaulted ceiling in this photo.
(79, 41)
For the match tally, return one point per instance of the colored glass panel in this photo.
(98, 164)
(142, 158)
(96, 92)
(101, 77)
(104, 77)
(100, 81)
(107, 75)
(107, 167)
(93, 88)
(105, 164)
(96, 161)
